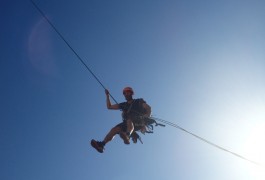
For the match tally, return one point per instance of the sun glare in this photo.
(255, 150)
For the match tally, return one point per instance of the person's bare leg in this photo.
(130, 127)
(125, 135)
(99, 145)
(111, 134)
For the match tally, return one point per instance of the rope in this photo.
(157, 119)
(66, 42)
(208, 142)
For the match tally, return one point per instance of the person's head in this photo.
(128, 93)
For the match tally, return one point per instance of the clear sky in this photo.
(199, 64)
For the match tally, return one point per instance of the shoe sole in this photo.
(94, 144)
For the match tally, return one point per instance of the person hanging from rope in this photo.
(134, 113)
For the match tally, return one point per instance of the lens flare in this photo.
(40, 48)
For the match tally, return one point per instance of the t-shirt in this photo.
(134, 109)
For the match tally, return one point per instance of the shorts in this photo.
(137, 122)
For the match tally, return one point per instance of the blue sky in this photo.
(199, 64)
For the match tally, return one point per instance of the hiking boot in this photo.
(97, 145)
(125, 137)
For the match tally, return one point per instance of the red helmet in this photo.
(128, 89)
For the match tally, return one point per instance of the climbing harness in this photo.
(141, 123)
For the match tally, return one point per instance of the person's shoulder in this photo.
(122, 103)
(141, 100)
